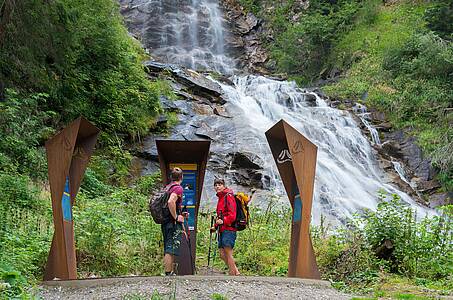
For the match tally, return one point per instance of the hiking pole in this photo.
(210, 240)
(217, 237)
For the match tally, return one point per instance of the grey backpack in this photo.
(158, 206)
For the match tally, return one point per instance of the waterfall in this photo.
(348, 177)
(374, 134)
(188, 33)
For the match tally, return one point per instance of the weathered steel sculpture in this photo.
(191, 157)
(295, 157)
(68, 153)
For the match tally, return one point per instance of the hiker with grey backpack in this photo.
(166, 210)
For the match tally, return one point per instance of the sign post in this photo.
(295, 157)
(191, 157)
(68, 153)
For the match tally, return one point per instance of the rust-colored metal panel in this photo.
(295, 157)
(68, 153)
(176, 152)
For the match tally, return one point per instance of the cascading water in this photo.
(188, 33)
(348, 177)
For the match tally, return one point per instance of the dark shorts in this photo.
(172, 234)
(227, 239)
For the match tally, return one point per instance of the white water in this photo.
(348, 178)
(374, 134)
(189, 33)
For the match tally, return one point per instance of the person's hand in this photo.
(219, 222)
(180, 219)
(212, 229)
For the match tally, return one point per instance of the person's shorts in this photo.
(172, 233)
(227, 239)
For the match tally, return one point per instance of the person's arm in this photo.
(172, 207)
(229, 215)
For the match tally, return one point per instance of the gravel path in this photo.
(191, 287)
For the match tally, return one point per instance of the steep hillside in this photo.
(394, 56)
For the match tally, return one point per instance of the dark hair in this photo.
(219, 181)
(176, 174)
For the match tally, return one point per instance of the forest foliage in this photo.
(396, 56)
(62, 59)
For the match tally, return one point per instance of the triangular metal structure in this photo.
(68, 153)
(295, 157)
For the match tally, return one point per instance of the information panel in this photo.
(189, 185)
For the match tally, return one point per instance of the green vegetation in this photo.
(421, 262)
(59, 60)
(406, 71)
(80, 56)
(217, 296)
(62, 59)
(396, 57)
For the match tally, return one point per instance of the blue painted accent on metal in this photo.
(297, 213)
(66, 202)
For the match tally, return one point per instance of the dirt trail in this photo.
(191, 287)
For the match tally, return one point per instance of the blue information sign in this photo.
(66, 202)
(189, 185)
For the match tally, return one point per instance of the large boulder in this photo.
(193, 82)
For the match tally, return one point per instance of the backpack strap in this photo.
(225, 200)
(175, 184)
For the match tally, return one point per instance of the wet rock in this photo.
(386, 164)
(168, 105)
(250, 178)
(247, 35)
(335, 103)
(247, 160)
(405, 147)
(359, 108)
(205, 131)
(385, 127)
(391, 148)
(310, 99)
(440, 199)
(195, 83)
(221, 111)
(428, 186)
(377, 116)
(245, 25)
(202, 109)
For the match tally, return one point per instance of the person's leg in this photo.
(233, 270)
(221, 251)
(222, 255)
(168, 263)
(171, 247)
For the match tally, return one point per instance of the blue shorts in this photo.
(172, 234)
(227, 238)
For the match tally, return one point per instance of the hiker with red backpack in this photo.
(225, 224)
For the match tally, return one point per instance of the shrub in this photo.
(439, 19)
(23, 125)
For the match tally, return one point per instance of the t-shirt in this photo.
(177, 189)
